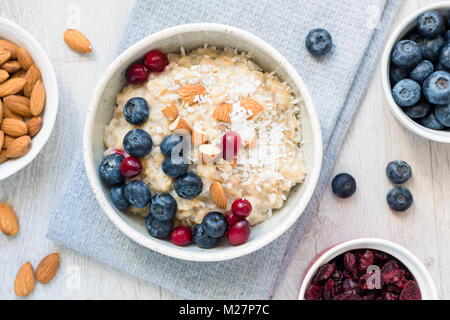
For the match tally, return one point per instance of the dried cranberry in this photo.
(386, 270)
(379, 256)
(181, 236)
(325, 272)
(314, 292)
(328, 290)
(348, 285)
(350, 264)
(156, 61)
(410, 291)
(362, 283)
(136, 73)
(365, 261)
(130, 167)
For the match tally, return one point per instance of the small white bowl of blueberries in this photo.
(416, 72)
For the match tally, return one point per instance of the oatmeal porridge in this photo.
(207, 93)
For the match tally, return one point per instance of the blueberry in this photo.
(175, 167)
(431, 122)
(419, 110)
(318, 42)
(136, 111)
(137, 193)
(188, 186)
(137, 143)
(158, 229)
(436, 87)
(343, 185)
(397, 74)
(110, 169)
(414, 36)
(407, 54)
(163, 207)
(444, 58)
(442, 114)
(202, 239)
(430, 24)
(399, 199)
(398, 171)
(170, 142)
(406, 93)
(422, 71)
(118, 197)
(432, 47)
(215, 224)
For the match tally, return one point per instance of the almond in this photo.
(199, 136)
(19, 105)
(77, 41)
(10, 46)
(24, 58)
(223, 111)
(9, 114)
(14, 128)
(19, 74)
(190, 93)
(9, 224)
(4, 75)
(7, 141)
(208, 152)
(3, 157)
(37, 98)
(33, 74)
(171, 111)
(47, 268)
(5, 54)
(218, 195)
(34, 126)
(1, 111)
(180, 124)
(252, 106)
(2, 138)
(19, 147)
(11, 86)
(25, 280)
(11, 66)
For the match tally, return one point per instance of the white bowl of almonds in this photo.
(253, 153)
(28, 98)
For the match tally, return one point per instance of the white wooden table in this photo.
(374, 139)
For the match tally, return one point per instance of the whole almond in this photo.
(34, 126)
(14, 128)
(190, 93)
(218, 195)
(24, 58)
(33, 74)
(11, 66)
(19, 105)
(3, 157)
(47, 268)
(9, 114)
(19, 74)
(5, 54)
(77, 41)
(7, 141)
(25, 280)
(2, 138)
(12, 86)
(10, 46)
(1, 111)
(19, 147)
(9, 224)
(4, 75)
(37, 98)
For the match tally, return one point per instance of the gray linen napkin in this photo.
(337, 82)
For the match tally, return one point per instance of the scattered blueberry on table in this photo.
(343, 185)
(398, 171)
(399, 199)
(318, 42)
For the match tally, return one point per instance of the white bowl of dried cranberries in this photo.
(367, 269)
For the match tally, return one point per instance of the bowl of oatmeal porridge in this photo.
(218, 79)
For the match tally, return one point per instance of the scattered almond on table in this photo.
(9, 224)
(77, 41)
(47, 268)
(25, 280)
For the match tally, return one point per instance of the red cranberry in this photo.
(136, 73)
(232, 218)
(120, 152)
(181, 236)
(130, 167)
(231, 144)
(241, 208)
(156, 61)
(239, 232)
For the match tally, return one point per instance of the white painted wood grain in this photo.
(374, 139)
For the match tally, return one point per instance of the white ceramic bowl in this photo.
(20, 37)
(191, 36)
(398, 34)
(417, 269)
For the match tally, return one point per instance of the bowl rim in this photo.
(180, 252)
(411, 125)
(423, 278)
(51, 89)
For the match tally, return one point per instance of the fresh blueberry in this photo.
(170, 142)
(202, 239)
(399, 199)
(137, 193)
(419, 110)
(407, 54)
(430, 24)
(215, 224)
(422, 71)
(110, 169)
(175, 167)
(137, 143)
(343, 185)
(118, 197)
(318, 42)
(136, 111)
(431, 122)
(398, 171)
(442, 114)
(444, 58)
(414, 36)
(406, 93)
(163, 206)
(157, 228)
(397, 74)
(188, 186)
(436, 87)
(432, 47)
